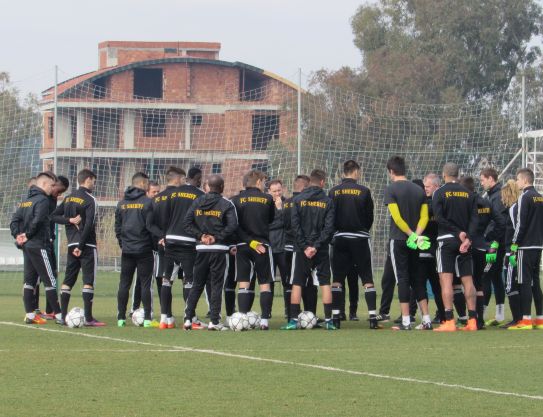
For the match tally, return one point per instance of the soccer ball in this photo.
(239, 322)
(307, 320)
(138, 317)
(75, 318)
(254, 320)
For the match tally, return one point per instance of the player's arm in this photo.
(90, 214)
(58, 215)
(41, 214)
(370, 209)
(188, 222)
(423, 219)
(296, 226)
(271, 209)
(231, 223)
(118, 225)
(328, 229)
(398, 219)
(150, 223)
(523, 212)
(474, 219)
(498, 230)
(15, 226)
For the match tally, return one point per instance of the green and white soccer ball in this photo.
(307, 320)
(239, 322)
(138, 317)
(75, 318)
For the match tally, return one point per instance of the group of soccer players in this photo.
(460, 242)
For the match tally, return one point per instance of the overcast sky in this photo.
(276, 35)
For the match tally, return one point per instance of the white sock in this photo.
(526, 317)
(484, 312)
(164, 318)
(372, 312)
(406, 320)
(426, 318)
(31, 316)
(58, 316)
(264, 322)
(499, 312)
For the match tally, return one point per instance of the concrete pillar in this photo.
(64, 132)
(80, 135)
(129, 123)
(188, 120)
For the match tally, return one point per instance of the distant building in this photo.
(154, 104)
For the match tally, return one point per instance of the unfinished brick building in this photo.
(154, 104)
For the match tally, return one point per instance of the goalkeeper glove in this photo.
(513, 255)
(491, 254)
(254, 244)
(412, 241)
(423, 242)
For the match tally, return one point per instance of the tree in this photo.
(444, 51)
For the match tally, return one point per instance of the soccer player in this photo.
(510, 195)
(484, 251)
(135, 231)
(526, 247)
(255, 211)
(407, 205)
(493, 278)
(455, 210)
(60, 187)
(313, 222)
(81, 237)
(30, 226)
(180, 251)
(212, 220)
(161, 217)
(277, 233)
(427, 258)
(353, 208)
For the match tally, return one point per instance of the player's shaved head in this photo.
(300, 182)
(467, 182)
(450, 169)
(215, 183)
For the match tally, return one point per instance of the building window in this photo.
(148, 83)
(251, 86)
(260, 166)
(196, 120)
(154, 125)
(51, 126)
(105, 130)
(216, 169)
(265, 128)
(73, 131)
(99, 88)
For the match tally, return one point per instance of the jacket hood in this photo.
(209, 200)
(35, 190)
(313, 193)
(133, 193)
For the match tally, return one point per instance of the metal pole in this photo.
(55, 122)
(524, 156)
(299, 121)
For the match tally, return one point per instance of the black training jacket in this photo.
(510, 226)
(256, 210)
(212, 214)
(290, 235)
(81, 202)
(455, 211)
(353, 208)
(277, 229)
(181, 198)
(529, 222)
(312, 219)
(33, 218)
(495, 198)
(161, 209)
(487, 215)
(134, 226)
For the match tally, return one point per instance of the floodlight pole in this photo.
(523, 124)
(299, 138)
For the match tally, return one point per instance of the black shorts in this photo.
(87, 262)
(315, 270)
(159, 256)
(349, 252)
(249, 262)
(451, 261)
(179, 257)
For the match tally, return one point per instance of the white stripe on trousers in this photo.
(48, 267)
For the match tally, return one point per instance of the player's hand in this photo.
(423, 242)
(233, 250)
(279, 203)
(412, 241)
(75, 220)
(210, 239)
(162, 242)
(76, 252)
(310, 252)
(513, 256)
(464, 247)
(462, 236)
(21, 239)
(205, 239)
(257, 246)
(491, 254)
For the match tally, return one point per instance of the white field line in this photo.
(282, 362)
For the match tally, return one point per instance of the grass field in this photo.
(54, 371)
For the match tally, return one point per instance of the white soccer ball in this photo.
(307, 320)
(138, 317)
(254, 320)
(239, 322)
(75, 318)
